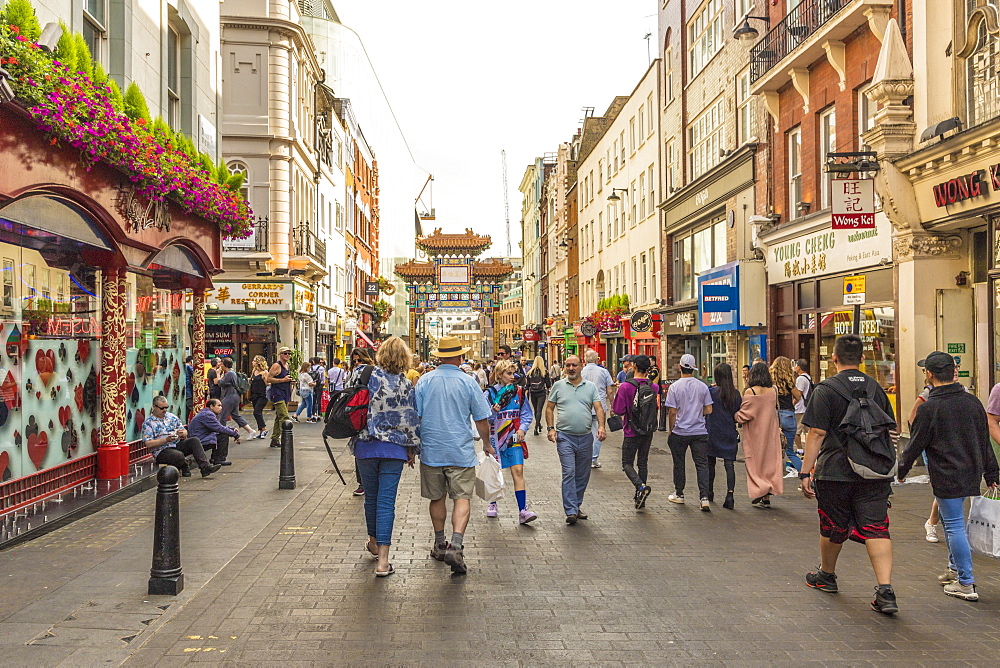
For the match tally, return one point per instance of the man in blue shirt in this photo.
(600, 377)
(206, 427)
(448, 401)
(168, 441)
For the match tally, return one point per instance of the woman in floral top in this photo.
(391, 439)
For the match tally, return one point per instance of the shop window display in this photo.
(155, 351)
(878, 330)
(50, 325)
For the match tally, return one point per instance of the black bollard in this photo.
(286, 474)
(165, 577)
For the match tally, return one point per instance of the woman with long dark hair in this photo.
(538, 383)
(723, 440)
(762, 447)
(258, 393)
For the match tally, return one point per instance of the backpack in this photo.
(242, 383)
(864, 432)
(347, 412)
(642, 414)
(536, 383)
(812, 386)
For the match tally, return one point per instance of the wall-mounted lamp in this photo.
(938, 129)
(802, 207)
(297, 272)
(850, 162)
(50, 37)
(613, 197)
(962, 278)
(211, 307)
(563, 244)
(249, 306)
(281, 271)
(746, 33)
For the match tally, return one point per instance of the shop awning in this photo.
(239, 319)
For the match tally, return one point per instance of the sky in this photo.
(467, 79)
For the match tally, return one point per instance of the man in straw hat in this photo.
(280, 379)
(446, 400)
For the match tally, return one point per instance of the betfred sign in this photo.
(853, 204)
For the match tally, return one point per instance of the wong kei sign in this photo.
(968, 186)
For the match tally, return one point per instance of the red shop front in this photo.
(93, 315)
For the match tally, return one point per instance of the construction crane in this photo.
(506, 202)
(424, 211)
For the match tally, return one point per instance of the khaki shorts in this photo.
(458, 482)
(801, 429)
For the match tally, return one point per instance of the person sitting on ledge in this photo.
(169, 443)
(207, 428)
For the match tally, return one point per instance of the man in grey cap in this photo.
(626, 373)
(689, 401)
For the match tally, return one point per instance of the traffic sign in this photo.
(854, 290)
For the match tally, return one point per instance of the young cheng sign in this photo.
(828, 251)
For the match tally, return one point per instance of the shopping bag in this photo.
(489, 478)
(983, 526)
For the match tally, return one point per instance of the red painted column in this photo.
(113, 373)
(198, 350)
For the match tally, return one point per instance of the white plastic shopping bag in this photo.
(984, 524)
(489, 478)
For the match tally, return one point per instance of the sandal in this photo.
(385, 574)
(372, 549)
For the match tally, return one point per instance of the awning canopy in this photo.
(239, 319)
(40, 217)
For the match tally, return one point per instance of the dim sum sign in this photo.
(853, 204)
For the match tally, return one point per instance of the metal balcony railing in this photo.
(801, 22)
(257, 242)
(308, 243)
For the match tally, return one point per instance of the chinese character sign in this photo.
(853, 204)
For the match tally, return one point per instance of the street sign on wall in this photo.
(641, 321)
(853, 204)
(588, 328)
(854, 290)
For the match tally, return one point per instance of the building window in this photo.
(983, 68)
(616, 155)
(238, 167)
(866, 117)
(632, 201)
(607, 161)
(652, 273)
(652, 189)
(649, 115)
(641, 128)
(671, 184)
(697, 251)
(668, 79)
(642, 196)
(635, 280)
(621, 143)
(173, 78)
(707, 138)
(645, 279)
(94, 30)
(590, 186)
(828, 144)
(794, 172)
(745, 105)
(705, 35)
(600, 175)
(743, 7)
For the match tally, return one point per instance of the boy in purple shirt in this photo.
(638, 436)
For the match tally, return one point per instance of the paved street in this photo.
(285, 580)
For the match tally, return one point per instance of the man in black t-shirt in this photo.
(214, 391)
(850, 507)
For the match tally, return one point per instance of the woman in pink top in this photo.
(762, 446)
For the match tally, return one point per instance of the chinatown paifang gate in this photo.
(452, 278)
(96, 292)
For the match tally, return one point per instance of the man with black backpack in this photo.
(850, 418)
(636, 402)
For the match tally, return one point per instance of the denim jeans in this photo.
(381, 480)
(317, 400)
(788, 428)
(597, 443)
(575, 452)
(305, 405)
(959, 554)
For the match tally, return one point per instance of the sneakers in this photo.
(360, 491)
(947, 577)
(209, 469)
(791, 472)
(641, 495)
(263, 434)
(438, 551)
(885, 601)
(253, 434)
(491, 510)
(762, 502)
(820, 579)
(595, 465)
(931, 530)
(454, 557)
(526, 516)
(964, 592)
(730, 502)
(675, 498)
(706, 506)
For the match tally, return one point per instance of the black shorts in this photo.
(856, 510)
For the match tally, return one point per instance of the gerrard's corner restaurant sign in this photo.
(828, 251)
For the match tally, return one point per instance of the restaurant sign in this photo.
(828, 251)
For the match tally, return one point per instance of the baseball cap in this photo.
(628, 358)
(688, 362)
(641, 363)
(937, 362)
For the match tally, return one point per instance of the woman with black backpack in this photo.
(538, 383)
(723, 440)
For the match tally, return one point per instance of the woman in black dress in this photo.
(723, 440)
(258, 393)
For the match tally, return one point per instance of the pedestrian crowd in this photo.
(838, 437)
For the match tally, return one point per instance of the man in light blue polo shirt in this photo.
(577, 402)
(448, 401)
